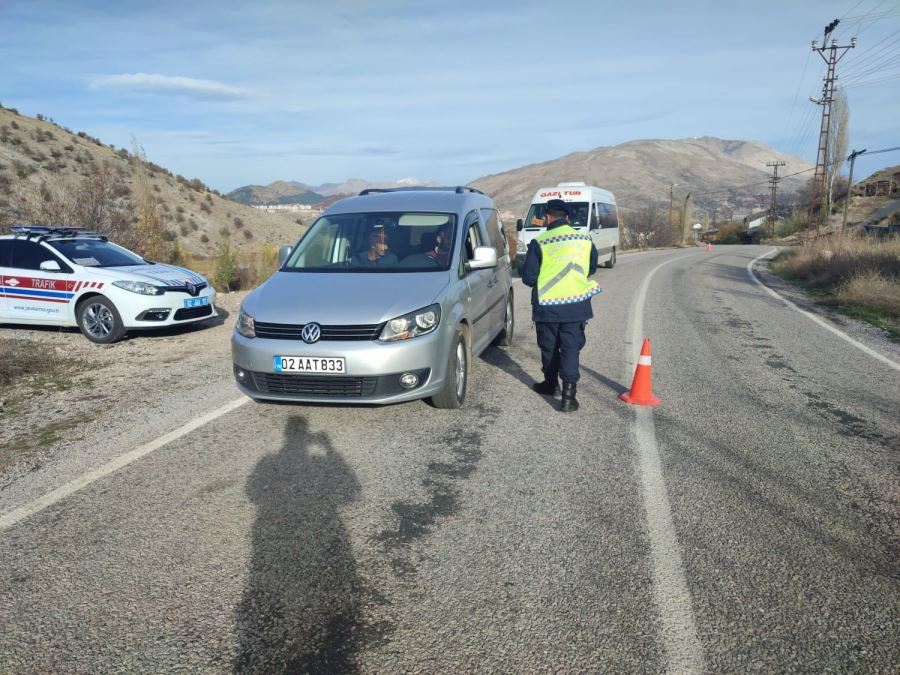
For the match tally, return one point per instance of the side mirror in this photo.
(519, 225)
(50, 266)
(485, 258)
(283, 254)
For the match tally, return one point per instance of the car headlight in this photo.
(140, 287)
(245, 326)
(521, 247)
(411, 325)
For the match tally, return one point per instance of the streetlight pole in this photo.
(852, 160)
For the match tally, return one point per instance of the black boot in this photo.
(569, 402)
(546, 388)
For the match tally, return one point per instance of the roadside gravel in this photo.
(102, 399)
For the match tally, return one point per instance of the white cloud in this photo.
(177, 86)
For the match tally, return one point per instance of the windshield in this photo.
(96, 253)
(376, 242)
(578, 214)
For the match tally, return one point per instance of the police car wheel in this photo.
(99, 320)
(454, 392)
(609, 264)
(505, 336)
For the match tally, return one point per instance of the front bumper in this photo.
(373, 369)
(158, 311)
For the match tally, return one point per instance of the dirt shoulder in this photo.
(58, 391)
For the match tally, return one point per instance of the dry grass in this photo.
(873, 290)
(828, 264)
(19, 358)
(860, 276)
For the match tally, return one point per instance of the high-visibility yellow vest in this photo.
(565, 260)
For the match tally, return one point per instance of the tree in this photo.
(838, 141)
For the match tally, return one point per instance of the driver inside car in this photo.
(378, 253)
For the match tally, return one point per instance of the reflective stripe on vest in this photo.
(565, 259)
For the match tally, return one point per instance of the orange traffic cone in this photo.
(709, 247)
(641, 389)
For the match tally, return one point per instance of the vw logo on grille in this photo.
(311, 333)
(191, 289)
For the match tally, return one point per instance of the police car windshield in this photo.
(578, 214)
(393, 242)
(96, 253)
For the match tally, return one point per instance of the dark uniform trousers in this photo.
(560, 344)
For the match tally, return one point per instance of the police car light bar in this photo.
(53, 231)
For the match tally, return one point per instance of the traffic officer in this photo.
(557, 266)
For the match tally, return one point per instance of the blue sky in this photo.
(250, 92)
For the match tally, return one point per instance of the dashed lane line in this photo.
(10, 518)
(812, 317)
(670, 590)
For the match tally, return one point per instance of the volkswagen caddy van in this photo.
(387, 297)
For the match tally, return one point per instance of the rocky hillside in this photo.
(719, 173)
(50, 174)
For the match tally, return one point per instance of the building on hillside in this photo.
(274, 208)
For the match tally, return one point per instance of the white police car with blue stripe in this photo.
(63, 276)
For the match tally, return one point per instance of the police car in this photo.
(64, 276)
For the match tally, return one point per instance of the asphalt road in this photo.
(750, 523)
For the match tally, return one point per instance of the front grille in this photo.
(314, 385)
(291, 331)
(184, 289)
(193, 312)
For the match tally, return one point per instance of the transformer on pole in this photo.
(831, 54)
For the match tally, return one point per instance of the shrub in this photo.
(224, 231)
(184, 229)
(205, 207)
(226, 276)
(238, 223)
(248, 235)
(204, 238)
(193, 225)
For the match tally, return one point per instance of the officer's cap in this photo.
(558, 206)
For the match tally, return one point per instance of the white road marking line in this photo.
(809, 315)
(670, 589)
(9, 519)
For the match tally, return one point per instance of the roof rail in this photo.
(41, 232)
(458, 189)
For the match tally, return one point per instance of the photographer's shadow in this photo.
(301, 605)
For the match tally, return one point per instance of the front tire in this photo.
(505, 336)
(453, 395)
(99, 320)
(609, 264)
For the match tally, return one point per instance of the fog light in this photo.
(409, 380)
(240, 374)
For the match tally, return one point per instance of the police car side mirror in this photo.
(283, 254)
(50, 266)
(519, 225)
(485, 257)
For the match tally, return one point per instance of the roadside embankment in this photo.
(858, 276)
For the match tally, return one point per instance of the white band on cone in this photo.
(643, 360)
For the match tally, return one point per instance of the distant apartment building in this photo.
(273, 208)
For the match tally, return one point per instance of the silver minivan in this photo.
(387, 297)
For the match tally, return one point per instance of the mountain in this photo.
(720, 174)
(279, 192)
(292, 192)
(52, 175)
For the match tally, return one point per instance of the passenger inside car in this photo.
(378, 253)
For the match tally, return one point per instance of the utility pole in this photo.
(852, 160)
(671, 197)
(773, 181)
(835, 53)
